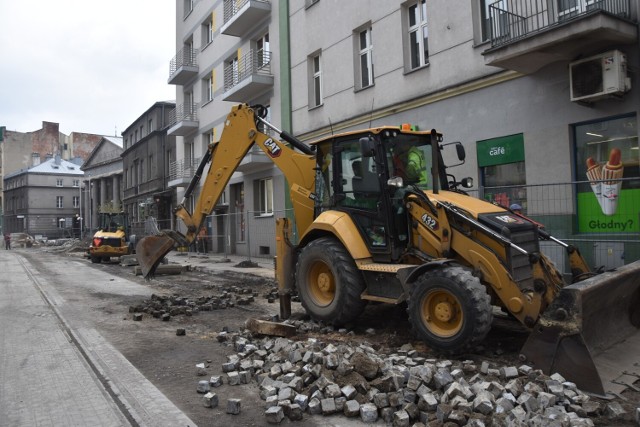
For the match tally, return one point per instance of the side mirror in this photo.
(367, 147)
(460, 151)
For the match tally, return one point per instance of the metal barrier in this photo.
(570, 212)
(606, 230)
(512, 20)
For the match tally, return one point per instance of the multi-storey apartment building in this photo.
(533, 89)
(147, 157)
(228, 52)
(22, 151)
(44, 199)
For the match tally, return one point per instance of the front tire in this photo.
(96, 259)
(450, 309)
(329, 283)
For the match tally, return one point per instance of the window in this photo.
(493, 19)
(417, 34)
(76, 183)
(150, 168)
(76, 201)
(208, 88)
(59, 202)
(150, 128)
(188, 7)
(262, 48)
(231, 75)
(608, 149)
(207, 32)
(315, 87)
(265, 196)
(261, 126)
(365, 59)
(59, 182)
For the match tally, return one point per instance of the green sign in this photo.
(623, 219)
(500, 151)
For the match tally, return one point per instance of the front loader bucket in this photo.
(150, 250)
(590, 334)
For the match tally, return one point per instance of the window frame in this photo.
(59, 182)
(264, 199)
(59, 202)
(316, 98)
(364, 52)
(420, 30)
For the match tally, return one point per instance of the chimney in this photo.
(35, 159)
(57, 159)
(48, 156)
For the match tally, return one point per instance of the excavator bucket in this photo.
(150, 250)
(590, 334)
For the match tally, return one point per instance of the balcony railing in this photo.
(511, 20)
(232, 7)
(183, 169)
(184, 112)
(185, 57)
(248, 65)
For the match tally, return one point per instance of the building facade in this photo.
(101, 186)
(148, 154)
(22, 151)
(230, 52)
(44, 200)
(532, 89)
(537, 92)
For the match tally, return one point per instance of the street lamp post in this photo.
(81, 213)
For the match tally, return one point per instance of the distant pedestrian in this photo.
(7, 241)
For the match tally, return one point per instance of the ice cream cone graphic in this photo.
(611, 174)
(594, 174)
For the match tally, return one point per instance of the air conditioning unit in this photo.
(600, 76)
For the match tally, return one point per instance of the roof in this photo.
(51, 166)
(115, 139)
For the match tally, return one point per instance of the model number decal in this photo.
(272, 147)
(429, 221)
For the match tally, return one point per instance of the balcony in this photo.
(248, 78)
(254, 161)
(183, 66)
(527, 35)
(181, 172)
(183, 119)
(240, 16)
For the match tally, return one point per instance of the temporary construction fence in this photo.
(607, 232)
(600, 218)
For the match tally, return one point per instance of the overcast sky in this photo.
(92, 66)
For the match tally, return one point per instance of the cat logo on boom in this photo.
(274, 150)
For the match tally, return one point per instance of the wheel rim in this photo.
(322, 284)
(442, 313)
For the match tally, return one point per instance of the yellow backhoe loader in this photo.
(378, 218)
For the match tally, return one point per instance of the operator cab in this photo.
(365, 174)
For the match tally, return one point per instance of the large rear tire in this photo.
(450, 309)
(329, 283)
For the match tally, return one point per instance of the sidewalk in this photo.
(44, 380)
(212, 262)
(56, 369)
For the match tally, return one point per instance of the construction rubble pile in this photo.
(298, 379)
(161, 306)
